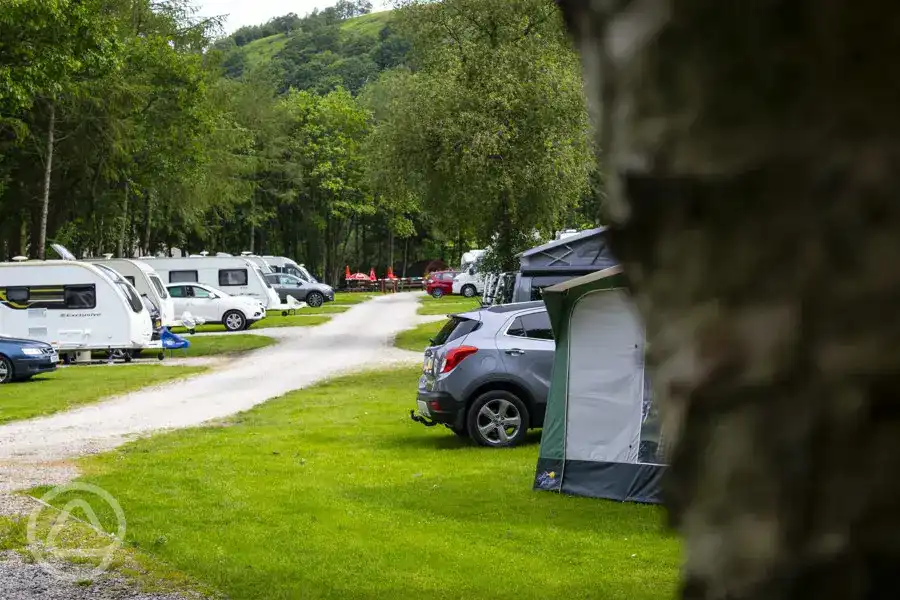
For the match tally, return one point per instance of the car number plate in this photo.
(423, 408)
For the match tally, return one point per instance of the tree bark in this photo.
(753, 193)
(48, 172)
(120, 250)
(145, 243)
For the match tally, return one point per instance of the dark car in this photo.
(440, 283)
(487, 374)
(23, 359)
(314, 294)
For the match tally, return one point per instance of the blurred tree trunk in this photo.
(753, 170)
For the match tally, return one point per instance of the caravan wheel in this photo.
(498, 419)
(469, 291)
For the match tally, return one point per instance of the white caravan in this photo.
(469, 281)
(146, 281)
(281, 264)
(259, 261)
(233, 275)
(74, 306)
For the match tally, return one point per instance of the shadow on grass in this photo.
(441, 438)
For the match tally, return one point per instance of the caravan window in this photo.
(263, 277)
(80, 296)
(130, 279)
(18, 295)
(183, 277)
(233, 277)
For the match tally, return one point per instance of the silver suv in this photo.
(486, 374)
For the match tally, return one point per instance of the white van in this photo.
(233, 275)
(74, 306)
(469, 282)
(146, 281)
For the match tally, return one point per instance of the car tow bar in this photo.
(421, 419)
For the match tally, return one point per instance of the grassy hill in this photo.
(265, 50)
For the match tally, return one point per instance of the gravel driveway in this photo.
(36, 452)
(359, 338)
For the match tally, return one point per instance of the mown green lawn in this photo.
(418, 338)
(447, 304)
(325, 309)
(212, 345)
(332, 492)
(71, 387)
(299, 320)
(352, 297)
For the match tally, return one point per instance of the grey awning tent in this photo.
(601, 433)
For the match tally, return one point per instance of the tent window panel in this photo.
(606, 380)
(81, 296)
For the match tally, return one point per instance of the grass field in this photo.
(212, 345)
(418, 338)
(299, 320)
(447, 305)
(71, 387)
(332, 492)
(325, 309)
(344, 298)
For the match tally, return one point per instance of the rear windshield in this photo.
(455, 328)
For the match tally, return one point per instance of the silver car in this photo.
(486, 374)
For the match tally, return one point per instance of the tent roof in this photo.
(584, 279)
(567, 240)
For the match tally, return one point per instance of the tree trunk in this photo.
(145, 243)
(48, 172)
(391, 248)
(754, 199)
(405, 255)
(120, 250)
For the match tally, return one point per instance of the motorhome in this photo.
(146, 281)
(75, 306)
(470, 280)
(233, 275)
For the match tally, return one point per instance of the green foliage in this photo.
(491, 132)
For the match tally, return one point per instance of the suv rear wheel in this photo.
(498, 419)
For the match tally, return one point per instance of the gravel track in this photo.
(38, 451)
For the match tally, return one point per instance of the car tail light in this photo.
(456, 356)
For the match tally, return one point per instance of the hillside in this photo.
(320, 54)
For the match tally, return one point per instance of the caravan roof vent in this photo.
(204, 253)
(107, 256)
(246, 253)
(20, 259)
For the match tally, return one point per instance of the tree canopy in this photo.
(339, 137)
